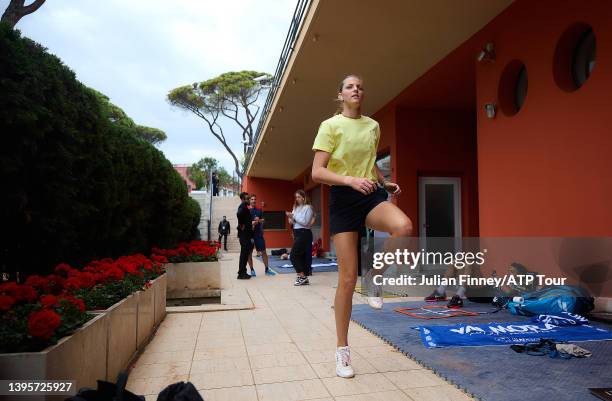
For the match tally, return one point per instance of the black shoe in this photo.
(455, 303)
(301, 281)
(244, 277)
(435, 297)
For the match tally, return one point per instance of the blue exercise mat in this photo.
(506, 333)
(493, 373)
(319, 265)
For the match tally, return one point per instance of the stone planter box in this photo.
(122, 335)
(131, 323)
(159, 288)
(80, 356)
(97, 351)
(193, 279)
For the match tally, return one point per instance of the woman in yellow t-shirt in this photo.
(345, 158)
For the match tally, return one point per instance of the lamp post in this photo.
(210, 201)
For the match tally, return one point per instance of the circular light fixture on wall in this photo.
(512, 90)
(575, 56)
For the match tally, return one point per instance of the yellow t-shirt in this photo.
(351, 143)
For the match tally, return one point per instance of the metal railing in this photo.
(294, 31)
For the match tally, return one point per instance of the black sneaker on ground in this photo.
(244, 277)
(301, 281)
(435, 297)
(455, 303)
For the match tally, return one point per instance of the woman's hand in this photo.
(289, 214)
(363, 185)
(393, 188)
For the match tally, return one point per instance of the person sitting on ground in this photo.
(517, 288)
(521, 286)
(439, 294)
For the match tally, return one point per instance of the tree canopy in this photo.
(200, 172)
(232, 95)
(117, 116)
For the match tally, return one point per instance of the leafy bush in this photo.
(76, 187)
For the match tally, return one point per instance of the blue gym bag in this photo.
(554, 300)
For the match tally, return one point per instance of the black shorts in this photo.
(260, 243)
(348, 208)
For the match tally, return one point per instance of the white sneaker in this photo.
(343, 362)
(375, 302)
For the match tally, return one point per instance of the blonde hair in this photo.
(303, 195)
(340, 106)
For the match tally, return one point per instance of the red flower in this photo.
(73, 283)
(113, 274)
(88, 280)
(159, 258)
(19, 292)
(54, 284)
(36, 281)
(63, 269)
(78, 302)
(48, 301)
(43, 323)
(10, 288)
(6, 302)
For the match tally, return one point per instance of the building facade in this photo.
(493, 113)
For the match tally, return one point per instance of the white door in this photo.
(440, 213)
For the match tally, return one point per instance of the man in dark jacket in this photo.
(224, 230)
(215, 183)
(245, 235)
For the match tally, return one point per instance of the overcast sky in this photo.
(135, 51)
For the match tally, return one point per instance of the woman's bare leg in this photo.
(387, 217)
(346, 250)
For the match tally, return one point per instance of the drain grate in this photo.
(193, 301)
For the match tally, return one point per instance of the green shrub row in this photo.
(75, 186)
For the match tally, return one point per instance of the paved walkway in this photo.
(283, 350)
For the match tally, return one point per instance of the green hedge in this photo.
(76, 187)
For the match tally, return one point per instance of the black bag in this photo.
(180, 391)
(107, 391)
(278, 252)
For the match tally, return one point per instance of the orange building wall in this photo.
(437, 143)
(278, 196)
(387, 121)
(546, 170)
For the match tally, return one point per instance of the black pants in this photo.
(224, 236)
(246, 248)
(302, 243)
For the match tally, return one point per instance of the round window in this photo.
(512, 89)
(520, 90)
(575, 56)
(584, 58)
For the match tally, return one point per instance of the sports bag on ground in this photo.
(554, 299)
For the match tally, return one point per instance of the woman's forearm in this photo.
(322, 175)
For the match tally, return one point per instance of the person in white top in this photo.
(301, 217)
